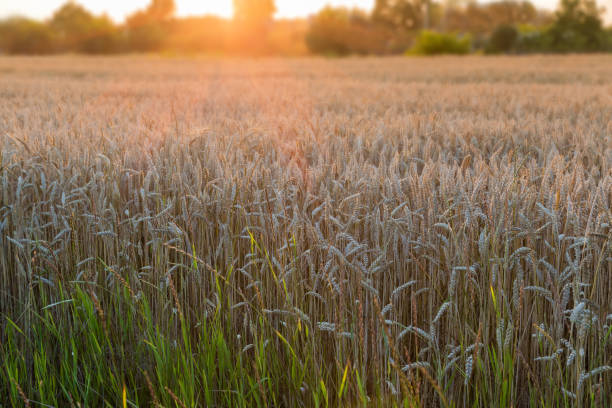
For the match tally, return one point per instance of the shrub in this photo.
(503, 39)
(532, 39)
(433, 43)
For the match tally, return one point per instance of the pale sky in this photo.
(118, 9)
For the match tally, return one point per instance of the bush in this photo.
(503, 39)
(532, 39)
(432, 43)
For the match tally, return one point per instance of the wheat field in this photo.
(306, 232)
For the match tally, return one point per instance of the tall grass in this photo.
(306, 233)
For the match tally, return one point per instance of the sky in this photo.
(118, 9)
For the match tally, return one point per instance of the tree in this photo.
(160, 10)
(254, 11)
(327, 33)
(503, 39)
(147, 28)
(156, 12)
(104, 37)
(482, 19)
(402, 14)
(578, 27)
(24, 36)
(72, 24)
(79, 30)
(340, 31)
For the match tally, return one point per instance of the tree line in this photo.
(392, 27)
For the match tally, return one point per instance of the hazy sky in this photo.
(118, 9)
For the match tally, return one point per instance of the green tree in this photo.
(503, 39)
(340, 31)
(402, 14)
(482, 19)
(147, 29)
(76, 29)
(328, 31)
(72, 24)
(578, 26)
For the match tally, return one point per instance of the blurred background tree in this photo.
(342, 31)
(160, 10)
(19, 35)
(578, 26)
(329, 31)
(147, 29)
(391, 27)
(480, 19)
(76, 29)
(503, 39)
(401, 14)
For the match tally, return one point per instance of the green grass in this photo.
(76, 352)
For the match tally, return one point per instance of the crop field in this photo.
(410, 232)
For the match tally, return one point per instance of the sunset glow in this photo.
(119, 9)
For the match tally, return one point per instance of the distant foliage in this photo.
(401, 14)
(483, 19)
(340, 31)
(147, 29)
(503, 39)
(433, 43)
(533, 39)
(71, 29)
(25, 36)
(330, 32)
(578, 27)
(389, 28)
(76, 29)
